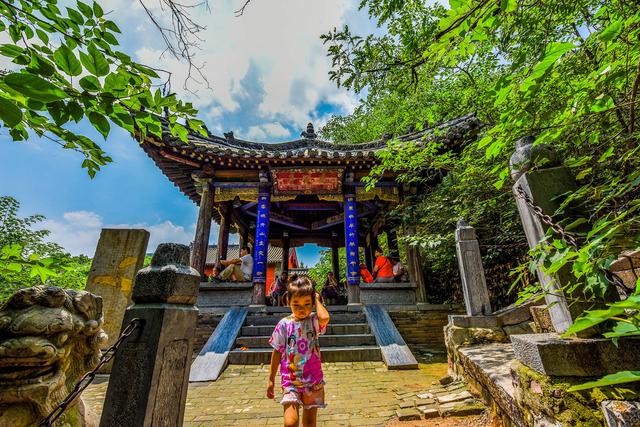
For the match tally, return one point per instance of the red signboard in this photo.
(307, 181)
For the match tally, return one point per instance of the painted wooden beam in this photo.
(212, 359)
(179, 159)
(395, 352)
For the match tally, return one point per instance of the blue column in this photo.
(261, 247)
(351, 240)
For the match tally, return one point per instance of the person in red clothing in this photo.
(383, 268)
(364, 273)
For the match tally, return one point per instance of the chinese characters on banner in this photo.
(261, 242)
(351, 240)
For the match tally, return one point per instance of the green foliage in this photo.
(319, 272)
(621, 377)
(43, 94)
(27, 260)
(567, 73)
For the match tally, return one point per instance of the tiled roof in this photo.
(449, 131)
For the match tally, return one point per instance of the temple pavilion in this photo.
(291, 193)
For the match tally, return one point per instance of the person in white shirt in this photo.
(238, 269)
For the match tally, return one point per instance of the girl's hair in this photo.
(300, 286)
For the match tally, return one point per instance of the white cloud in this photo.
(78, 232)
(268, 130)
(269, 65)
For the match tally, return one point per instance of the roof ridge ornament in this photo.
(228, 136)
(309, 133)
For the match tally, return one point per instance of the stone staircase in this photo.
(348, 339)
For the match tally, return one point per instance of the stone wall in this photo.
(207, 323)
(424, 327)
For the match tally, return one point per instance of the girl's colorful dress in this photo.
(300, 365)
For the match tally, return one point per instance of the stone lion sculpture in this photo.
(49, 338)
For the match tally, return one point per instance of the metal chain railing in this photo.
(91, 375)
(610, 276)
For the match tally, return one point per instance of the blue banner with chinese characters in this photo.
(351, 240)
(261, 241)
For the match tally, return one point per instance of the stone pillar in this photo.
(335, 259)
(414, 266)
(285, 252)
(261, 248)
(474, 285)
(203, 227)
(223, 235)
(543, 186)
(351, 243)
(119, 255)
(150, 375)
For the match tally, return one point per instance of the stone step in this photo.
(257, 356)
(340, 329)
(272, 319)
(325, 341)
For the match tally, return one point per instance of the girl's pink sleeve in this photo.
(316, 325)
(278, 337)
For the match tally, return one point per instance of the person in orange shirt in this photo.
(365, 275)
(383, 268)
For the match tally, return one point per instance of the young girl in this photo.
(297, 352)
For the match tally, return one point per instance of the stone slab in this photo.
(226, 294)
(489, 365)
(119, 255)
(464, 321)
(395, 352)
(409, 414)
(454, 397)
(548, 354)
(214, 355)
(429, 412)
(461, 409)
(621, 413)
(388, 293)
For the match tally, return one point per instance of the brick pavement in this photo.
(357, 394)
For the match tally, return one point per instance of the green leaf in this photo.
(10, 114)
(509, 6)
(602, 104)
(85, 9)
(75, 16)
(94, 61)
(67, 61)
(100, 123)
(11, 50)
(621, 377)
(97, 10)
(90, 84)
(611, 32)
(34, 87)
(112, 26)
(592, 318)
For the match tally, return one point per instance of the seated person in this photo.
(399, 272)
(215, 272)
(383, 269)
(365, 275)
(238, 269)
(279, 290)
(330, 289)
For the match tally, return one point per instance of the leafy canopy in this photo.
(66, 67)
(567, 73)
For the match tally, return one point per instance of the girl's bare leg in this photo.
(309, 417)
(291, 415)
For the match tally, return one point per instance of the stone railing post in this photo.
(543, 186)
(474, 285)
(150, 374)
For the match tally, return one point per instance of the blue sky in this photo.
(268, 76)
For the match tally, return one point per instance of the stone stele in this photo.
(119, 255)
(49, 338)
